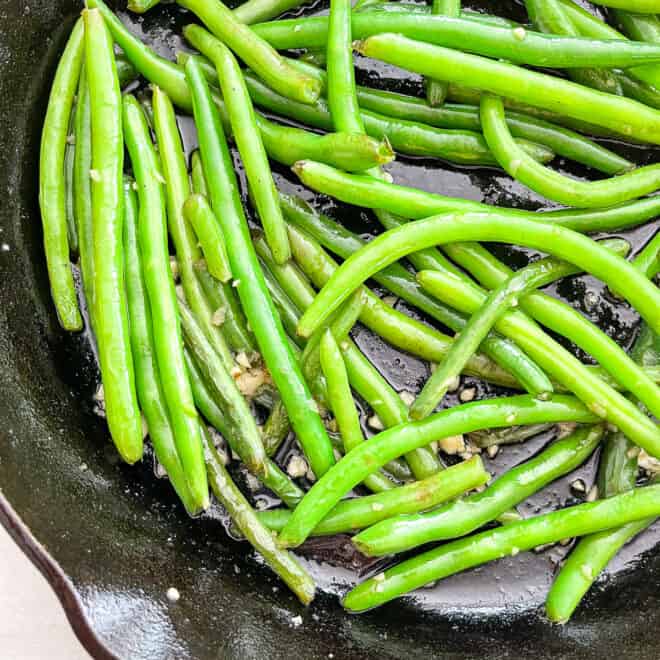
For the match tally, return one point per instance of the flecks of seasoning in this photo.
(389, 300)
(468, 394)
(375, 423)
(95, 175)
(296, 621)
(454, 384)
(377, 506)
(514, 551)
(492, 451)
(519, 33)
(510, 419)
(173, 595)
(219, 316)
(579, 486)
(236, 283)
(407, 397)
(297, 467)
(5, 247)
(586, 570)
(454, 444)
(592, 495)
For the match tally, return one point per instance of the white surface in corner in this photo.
(33, 625)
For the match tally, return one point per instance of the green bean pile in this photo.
(230, 340)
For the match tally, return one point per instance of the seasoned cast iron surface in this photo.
(116, 532)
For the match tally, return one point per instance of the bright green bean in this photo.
(551, 184)
(648, 260)
(247, 521)
(111, 322)
(52, 196)
(638, 90)
(254, 51)
(246, 135)
(526, 47)
(177, 191)
(224, 391)
(619, 114)
(436, 91)
(464, 516)
(398, 329)
(360, 512)
(510, 539)
(636, 6)
(141, 6)
(69, 162)
(197, 176)
(565, 368)
(412, 203)
(343, 407)
(251, 288)
(255, 11)
(147, 379)
(288, 312)
(378, 450)
(152, 233)
(198, 213)
(534, 276)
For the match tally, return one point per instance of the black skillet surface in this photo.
(111, 540)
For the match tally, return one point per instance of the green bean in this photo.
(149, 388)
(375, 452)
(549, 17)
(255, 11)
(466, 147)
(111, 322)
(568, 371)
(508, 540)
(223, 301)
(223, 389)
(141, 6)
(436, 91)
(343, 407)
(617, 473)
(638, 90)
(162, 299)
(524, 47)
(289, 314)
(271, 475)
(534, 276)
(69, 203)
(400, 330)
(82, 190)
(52, 196)
(551, 184)
(246, 135)
(361, 190)
(398, 280)
(464, 516)
(360, 512)
(619, 114)
(247, 521)
(509, 436)
(197, 176)
(648, 260)
(555, 240)
(254, 51)
(562, 141)
(177, 191)
(566, 321)
(198, 213)
(251, 288)
(636, 6)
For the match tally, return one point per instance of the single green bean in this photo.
(224, 391)
(464, 516)
(638, 90)
(436, 90)
(412, 203)
(111, 323)
(52, 186)
(253, 50)
(343, 407)
(551, 184)
(510, 539)
(141, 6)
(258, 307)
(82, 190)
(246, 135)
(271, 475)
(619, 114)
(648, 260)
(247, 521)
(256, 11)
(177, 191)
(636, 6)
(567, 370)
(515, 45)
(378, 450)
(459, 146)
(288, 312)
(198, 213)
(360, 512)
(534, 276)
(147, 378)
(69, 162)
(398, 329)
(509, 436)
(152, 233)
(228, 312)
(197, 176)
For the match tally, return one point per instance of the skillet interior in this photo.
(116, 533)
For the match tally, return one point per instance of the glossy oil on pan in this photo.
(111, 539)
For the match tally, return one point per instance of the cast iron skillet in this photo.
(111, 540)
